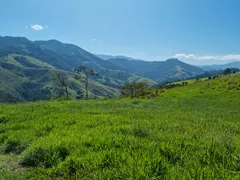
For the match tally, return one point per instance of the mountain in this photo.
(107, 57)
(27, 68)
(235, 64)
(62, 56)
(160, 71)
(6, 41)
(76, 55)
(110, 74)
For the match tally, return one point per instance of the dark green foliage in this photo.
(14, 147)
(141, 90)
(3, 119)
(134, 89)
(46, 158)
(140, 133)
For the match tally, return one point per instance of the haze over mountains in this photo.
(27, 67)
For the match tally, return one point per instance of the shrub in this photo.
(15, 147)
(46, 158)
(134, 89)
(3, 119)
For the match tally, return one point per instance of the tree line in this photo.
(140, 90)
(132, 90)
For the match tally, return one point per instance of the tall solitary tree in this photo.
(87, 73)
(61, 80)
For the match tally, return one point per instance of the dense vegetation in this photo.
(189, 132)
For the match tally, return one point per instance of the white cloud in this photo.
(37, 27)
(218, 57)
(26, 27)
(94, 40)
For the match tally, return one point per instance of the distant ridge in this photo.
(169, 70)
(107, 57)
(235, 64)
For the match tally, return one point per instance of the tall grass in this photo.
(191, 132)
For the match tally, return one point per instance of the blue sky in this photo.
(195, 31)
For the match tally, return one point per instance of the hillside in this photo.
(110, 74)
(24, 78)
(160, 71)
(190, 132)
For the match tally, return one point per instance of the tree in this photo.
(197, 79)
(87, 73)
(134, 89)
(227, 71)
(61, 80)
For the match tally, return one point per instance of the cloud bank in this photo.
(226, 57)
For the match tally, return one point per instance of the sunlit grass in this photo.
(190, 132)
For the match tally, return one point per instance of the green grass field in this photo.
(190, 81)
(190, 132)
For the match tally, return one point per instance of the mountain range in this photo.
(27, 67)
(235, 64)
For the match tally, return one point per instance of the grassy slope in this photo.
(191, 132)
(25, 61)
(190, 81)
